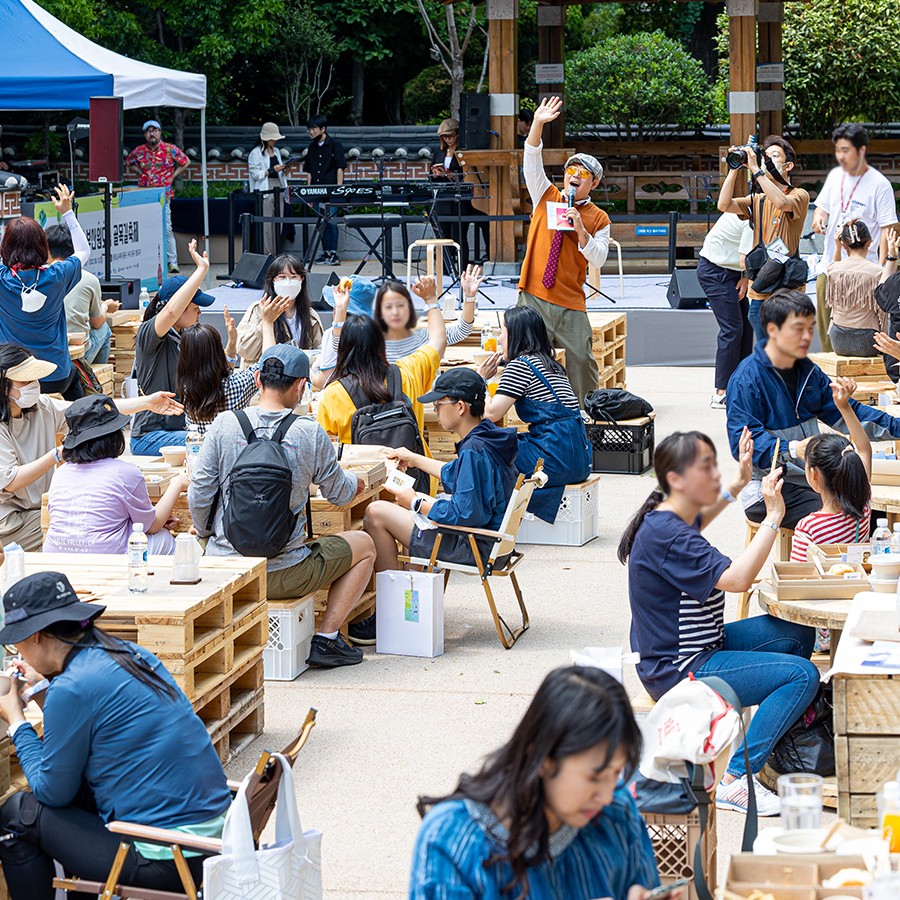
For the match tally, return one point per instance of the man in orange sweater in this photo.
(555, 266)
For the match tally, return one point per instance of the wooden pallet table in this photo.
(849, 366)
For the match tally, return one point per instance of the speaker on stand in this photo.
(251, 269)
(474, 121)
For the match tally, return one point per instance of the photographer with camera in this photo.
(775, 208)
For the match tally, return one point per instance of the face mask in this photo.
(288, 287)
(28, 395)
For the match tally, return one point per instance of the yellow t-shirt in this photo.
(417, 374)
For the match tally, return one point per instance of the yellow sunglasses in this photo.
(578, 170)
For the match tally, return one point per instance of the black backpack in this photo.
(257, 519)
(391, 424)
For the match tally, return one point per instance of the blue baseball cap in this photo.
(285, 359)
(151, 123)
(171, 285)
(362, 296)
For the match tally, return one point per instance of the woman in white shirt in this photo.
(267, 173)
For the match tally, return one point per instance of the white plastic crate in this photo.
(577, 522)
(291, 629)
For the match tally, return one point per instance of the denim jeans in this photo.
(753, 317)
(766, 662)
(149, 443)
(97, 352)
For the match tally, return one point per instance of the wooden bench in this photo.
(835, 366)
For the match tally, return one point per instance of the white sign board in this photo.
(550, 73)
(770, 73)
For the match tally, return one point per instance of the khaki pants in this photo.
(22, 528)
(823, 315)
(569, 330)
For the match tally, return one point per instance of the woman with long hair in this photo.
(120, 741)
(175, 307)
(396, 315)
(29, 424)
(298, 323)
(96, 498)
(205, 380)
(676, 586)
(362, 367)
(850, 293)
(266, 171)
(32, 291)
(537, 385)
(548, 816)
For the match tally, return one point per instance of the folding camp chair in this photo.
(261, 794)
(504, 557)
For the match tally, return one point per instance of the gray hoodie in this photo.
(312, 458)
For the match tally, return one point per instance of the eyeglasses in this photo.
(579, 171)
(11, 649)
(438, 403)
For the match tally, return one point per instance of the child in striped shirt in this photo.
(839, 471)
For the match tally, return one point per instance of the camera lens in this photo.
(736, 158)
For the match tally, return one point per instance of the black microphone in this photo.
(571, 201)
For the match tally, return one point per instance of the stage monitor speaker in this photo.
(251, 269)
(316, 282)
(685, 291)
(475, 121)
(126, 290)
(106, 146)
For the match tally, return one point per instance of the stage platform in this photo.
(658, 335)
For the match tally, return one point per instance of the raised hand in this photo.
(771, 491)
(745, 457)
(471, 280)
(426, 288)
(63, 199)
(230, 327)
(201, 262)
(271, 308)
(842, 390)
(548, 110)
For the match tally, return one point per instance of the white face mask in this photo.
(288, 287)
(28, 395)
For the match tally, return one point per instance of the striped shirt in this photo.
(828, 528)
(240, 386)
(519, 380)
(677, 612)
(602, 859)
(397, 349)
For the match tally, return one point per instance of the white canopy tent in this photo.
(49, 66)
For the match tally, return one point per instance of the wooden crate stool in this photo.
(782, 554)
(673, 835)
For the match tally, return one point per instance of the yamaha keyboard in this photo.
(390, 193)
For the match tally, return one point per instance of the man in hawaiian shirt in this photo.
(159, 164)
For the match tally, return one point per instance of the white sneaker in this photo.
(717, 401)
(734, 796)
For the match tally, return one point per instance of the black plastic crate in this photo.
(622, 449)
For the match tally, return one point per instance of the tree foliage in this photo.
(638, 83)
(839, 63)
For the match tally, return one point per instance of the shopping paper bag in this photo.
(410, 619)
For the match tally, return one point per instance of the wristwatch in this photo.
(774, 528)
(890, 259)
(417, 504)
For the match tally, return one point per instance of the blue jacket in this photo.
(758, 397)
(146, 758)
(480, 480)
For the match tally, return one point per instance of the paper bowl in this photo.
(174, 456)
(803, 840)
(157, 467)
(883, 585)
(886, 566)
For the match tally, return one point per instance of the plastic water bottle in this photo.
(137, 560)
(14, 565)
(193, 442)
(881, 538)
(144, 300)
(895, 540)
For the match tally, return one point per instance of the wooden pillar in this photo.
(771, 71)
(502, 78)
(742, 97)
(551, 21)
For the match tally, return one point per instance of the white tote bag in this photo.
(410, 613)
(289, 869)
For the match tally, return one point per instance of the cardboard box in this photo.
(886, 471)
(830, 554)
(803, 581)
(789, 876)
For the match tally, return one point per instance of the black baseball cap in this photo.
(36, 601)
(92, 417)
(461, 384)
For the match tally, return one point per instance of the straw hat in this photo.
(30, 369)
(448, 126)
(270, 132)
